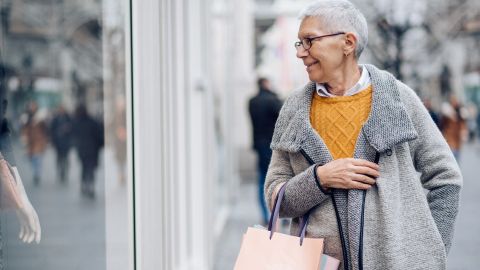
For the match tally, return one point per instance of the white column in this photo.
(176, 157)
(242, 65)
(150, 166)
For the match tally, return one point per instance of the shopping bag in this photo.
(270, 250)
(328, 263)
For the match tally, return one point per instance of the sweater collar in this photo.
(388, 123)
(361, 85)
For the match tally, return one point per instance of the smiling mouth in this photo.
(312, 64)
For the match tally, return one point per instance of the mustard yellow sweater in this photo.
(338, 120)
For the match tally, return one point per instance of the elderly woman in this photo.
(357, 150)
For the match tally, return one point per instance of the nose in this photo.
(301, 52)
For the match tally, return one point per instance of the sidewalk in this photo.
(245, 213)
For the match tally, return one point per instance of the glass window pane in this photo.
(63, 131)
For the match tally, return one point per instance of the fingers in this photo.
(365, 163)
(38, 236)
(349, 173)
(36, 229)
(26, 233)
(29, 226)
(366, 171)
(22, 231)
(31, 237)
(359, 185)
(363, 179)
(33, 226)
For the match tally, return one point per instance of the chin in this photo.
(316, 78)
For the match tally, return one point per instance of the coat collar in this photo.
(388, 123)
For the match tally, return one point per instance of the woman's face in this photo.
(325, 56)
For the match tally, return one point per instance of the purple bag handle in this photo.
(276, 213)
(304, 220)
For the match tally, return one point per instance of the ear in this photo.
(350, 43)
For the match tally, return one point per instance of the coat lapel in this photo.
(293, 131)
(388, 123)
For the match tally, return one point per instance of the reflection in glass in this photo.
(62, 68)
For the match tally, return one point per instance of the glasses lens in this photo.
(306, 44)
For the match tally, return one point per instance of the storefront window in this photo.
(64, 129)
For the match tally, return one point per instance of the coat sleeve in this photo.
(440, 174)
(302, 192)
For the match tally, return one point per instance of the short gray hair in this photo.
(340, 15)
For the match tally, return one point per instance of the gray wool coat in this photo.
(406, 220)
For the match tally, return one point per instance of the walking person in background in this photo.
(88, 141)
(263, 109)
(359, 156)
(432, 112)
(453, 124)
(478, 125)
(34, 135)
(60, 133)
(120, 139)
(471, 122)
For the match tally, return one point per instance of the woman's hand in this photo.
(348, 173)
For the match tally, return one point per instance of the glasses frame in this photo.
(310, 39)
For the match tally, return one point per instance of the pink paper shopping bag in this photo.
(281, 252)
(268, 250)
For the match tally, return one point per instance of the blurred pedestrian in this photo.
(34, 135)
(120, 139)
(472, 113)
(264, 109)
(453, 125)
(478, 125)
(61, 133)
(358, 155)
(88, 140)
(432, 112)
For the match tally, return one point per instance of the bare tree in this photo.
(423, 31)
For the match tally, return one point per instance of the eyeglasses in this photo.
(307, 42)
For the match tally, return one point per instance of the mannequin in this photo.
(30, 229)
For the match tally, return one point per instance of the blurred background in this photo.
(131, 129)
